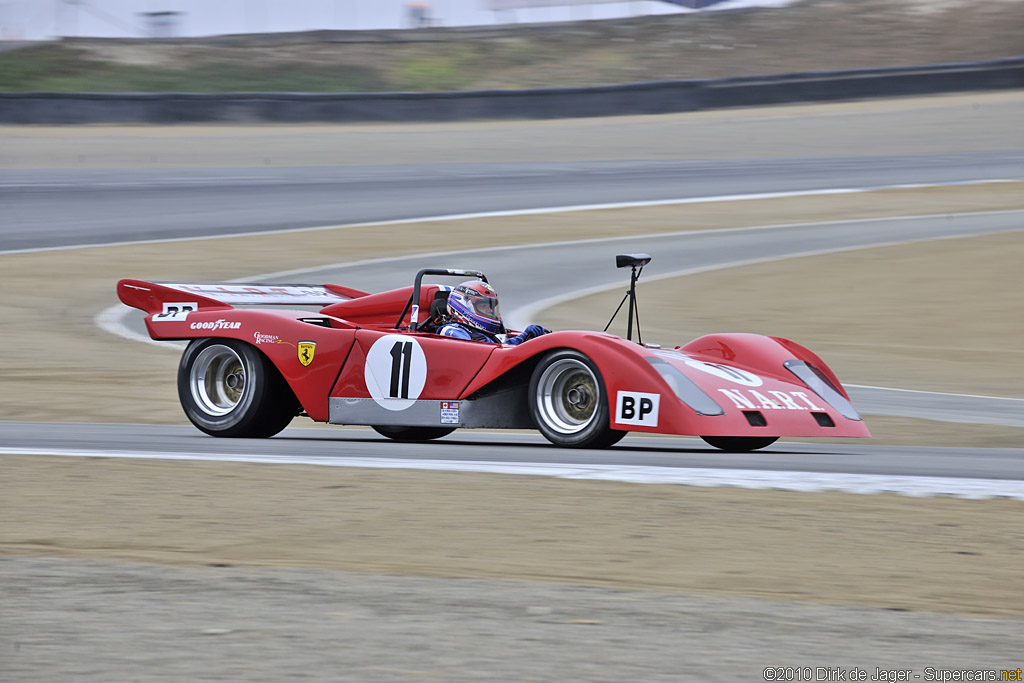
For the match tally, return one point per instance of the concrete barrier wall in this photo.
(655, 97)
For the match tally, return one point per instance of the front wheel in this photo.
(228, 388)
(412, 433)
(740, 444)
(568, 402)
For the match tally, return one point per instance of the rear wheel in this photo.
(228, 388)
(568, 402)
(412, 433)
(740, 444)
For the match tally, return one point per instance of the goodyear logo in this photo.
(219, 324)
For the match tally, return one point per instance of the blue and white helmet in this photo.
(475, 303)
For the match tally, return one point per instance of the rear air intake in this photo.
(755, 418)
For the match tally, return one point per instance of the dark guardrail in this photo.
(652, 97)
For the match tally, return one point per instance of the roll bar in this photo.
(414, 300)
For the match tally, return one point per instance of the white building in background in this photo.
(163, 24)
(46, 19)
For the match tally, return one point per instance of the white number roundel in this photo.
(727, 372)
(395, 372)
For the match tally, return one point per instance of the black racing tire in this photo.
(229, 388)
(412, 433)
(740, 444)
(569, 403)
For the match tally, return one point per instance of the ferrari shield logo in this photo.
(306, 351)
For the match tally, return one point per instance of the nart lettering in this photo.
(219, 324)
(751, 399)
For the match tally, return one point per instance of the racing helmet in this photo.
(475, 303)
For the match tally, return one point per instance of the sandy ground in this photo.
(942, 555)
(937, 316)
(91, 621)
(941, 124)
(883, 552)
(928, 317)
(895, 553)
(59, 366)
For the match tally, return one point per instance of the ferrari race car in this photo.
(367, 359)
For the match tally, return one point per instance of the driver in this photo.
(473, 314)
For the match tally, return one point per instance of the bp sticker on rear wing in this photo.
(249, 294)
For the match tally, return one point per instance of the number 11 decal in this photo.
(401, 368)
(726, 372)
(395, 371)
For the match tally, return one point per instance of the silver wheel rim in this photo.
(218, 379)
(567, 396)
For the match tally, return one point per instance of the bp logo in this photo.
(637, 408)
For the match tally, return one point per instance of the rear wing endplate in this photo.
(157, 297)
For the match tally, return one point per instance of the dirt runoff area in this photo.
(59, 366)
(898, 553)
(938, 555)
(925, 317)
(894, 554)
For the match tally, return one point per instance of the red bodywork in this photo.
(360, 357)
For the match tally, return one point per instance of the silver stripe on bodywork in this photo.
(503, 410)
(812, 377)
(685, 388)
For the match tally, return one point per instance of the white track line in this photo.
(933, 393)
(111, 319)
(527, 212)
(525, 313)
(518, 317)
(976, 489)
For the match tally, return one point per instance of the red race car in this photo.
(367, 359)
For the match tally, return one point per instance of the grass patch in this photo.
(56, 68)
(32, 67)
(807, 36)
(452, 69)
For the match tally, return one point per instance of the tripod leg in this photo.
(632, 305)
(636, 310)
(616, 312)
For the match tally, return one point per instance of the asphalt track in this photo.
(532, 277)
(54, 209)
(469, 446)
(63, 208)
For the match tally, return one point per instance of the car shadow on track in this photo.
(444, 447)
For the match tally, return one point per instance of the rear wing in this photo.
(173, 299)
